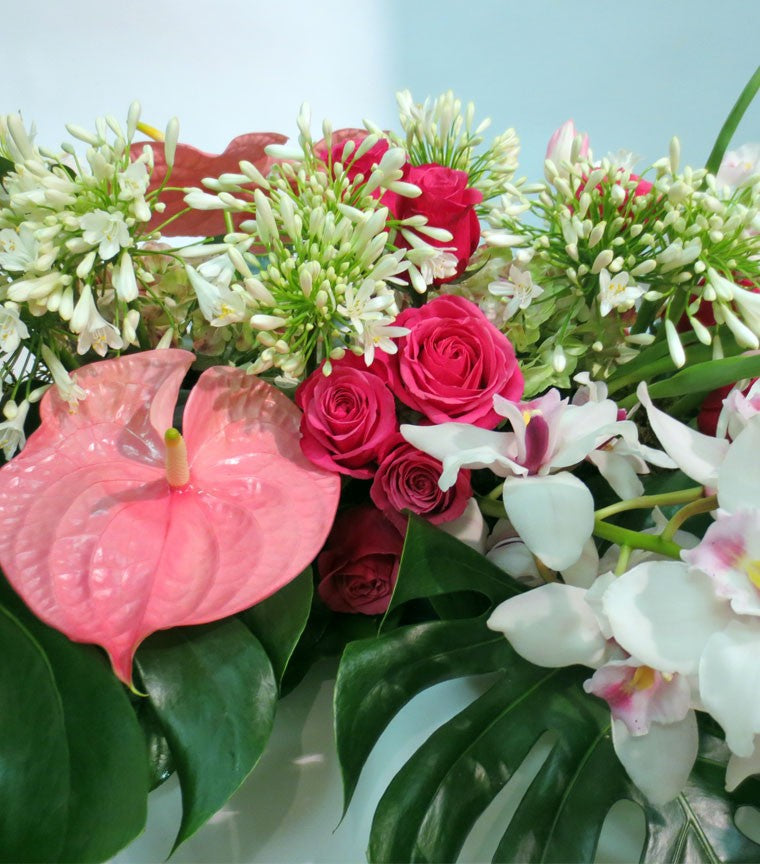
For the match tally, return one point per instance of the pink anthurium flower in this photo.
(112, 527)
(191, 166)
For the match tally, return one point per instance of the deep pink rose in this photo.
(407, 479)
(447, 202)
(453, 363)
(359, 563)
(347, 418)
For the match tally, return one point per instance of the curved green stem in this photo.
(489, 507)
(624, 558)
(665, 499)
(732, 121)
(636, 539)
(703, 505)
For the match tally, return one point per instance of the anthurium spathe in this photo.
(109, 530)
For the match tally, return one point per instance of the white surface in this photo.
(288, 811)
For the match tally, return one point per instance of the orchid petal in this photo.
(554, 515)
(698, 456)
(582, 428)
(739, 477)
(99, 544)
(551, 626)
(660, 762)
(618, 471)
(729, 684)
(583, 573)
(460, 445)
(741, 767)
(470, 527)
(663, 614)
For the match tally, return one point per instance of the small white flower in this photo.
(379, 334)
(12, 435)
(443, 265)
(18, 249)
(68, 389)
(12, 328)
(94, 331)
(219, 304)
(616, 293)
(518, 287)
(133, 183)
(107, 231)
(123, 278)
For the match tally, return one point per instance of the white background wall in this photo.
(631, 73)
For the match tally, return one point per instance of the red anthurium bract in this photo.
(191, 166)
(99, 545)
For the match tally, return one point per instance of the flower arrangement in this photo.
(373, 395)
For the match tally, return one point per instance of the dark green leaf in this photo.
(108, 774)
(279, 621)
(160, 759)
(377, 677)
(732, 122)
(34, 751)
(434, 564)
(215, 694)
(702, 377)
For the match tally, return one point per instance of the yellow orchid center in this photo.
(753, 572)
(643, 678)
(177, 469)
(529, 414)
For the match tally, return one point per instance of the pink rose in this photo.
(453, 363)
(447, 202)
(347, 418)
(407, 479)
(359, 563)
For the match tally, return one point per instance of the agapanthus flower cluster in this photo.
(615, 252)
(75, 261)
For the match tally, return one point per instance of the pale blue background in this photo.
(630, 73)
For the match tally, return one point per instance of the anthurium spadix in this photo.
(112, 526)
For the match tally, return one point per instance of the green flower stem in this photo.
(489, 507)
(702, 505)
(732, 121)
(495, 493)
(625, 557)
(636, 539)
(665, 499)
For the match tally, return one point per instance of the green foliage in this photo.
(435, 799)
(214, 692)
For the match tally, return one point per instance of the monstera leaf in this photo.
(433, 802)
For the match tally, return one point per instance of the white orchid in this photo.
(552, 510)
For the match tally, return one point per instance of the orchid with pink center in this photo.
(561, 625)
(110, 530)
(548, 435)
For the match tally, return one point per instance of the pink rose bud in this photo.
(561, 143)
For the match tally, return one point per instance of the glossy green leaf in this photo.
(377, 677)
(279, 621)
(702, 377)
(34, 750)
(214, 692)
(108, 764)
(436, 565)
(732, 122)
